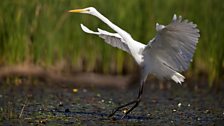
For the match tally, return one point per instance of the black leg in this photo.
(135, 102)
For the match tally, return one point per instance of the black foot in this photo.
(135, 102)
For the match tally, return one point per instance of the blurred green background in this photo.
(42, 33)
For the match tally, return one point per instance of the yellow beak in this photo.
(77, 11)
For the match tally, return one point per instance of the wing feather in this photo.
(172, 49)
(112, 39)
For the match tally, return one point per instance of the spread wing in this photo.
(172, 49)
(112, 39)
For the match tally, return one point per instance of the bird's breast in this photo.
(136, 49)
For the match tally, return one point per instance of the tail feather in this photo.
(178, 78)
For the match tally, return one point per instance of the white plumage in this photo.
(167, 54)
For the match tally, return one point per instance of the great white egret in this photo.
(167, 54)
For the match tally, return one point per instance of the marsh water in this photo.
(36, 102)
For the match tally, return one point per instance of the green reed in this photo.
(42, 32)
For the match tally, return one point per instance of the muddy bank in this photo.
(35, 102)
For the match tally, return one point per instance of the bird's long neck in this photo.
(134, 46)
(120, 31)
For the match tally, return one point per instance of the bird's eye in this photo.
(88, 9)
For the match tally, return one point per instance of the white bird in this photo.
(167, 54)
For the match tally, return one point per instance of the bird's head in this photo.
(88, 10)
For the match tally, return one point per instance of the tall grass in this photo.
(42, 32)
